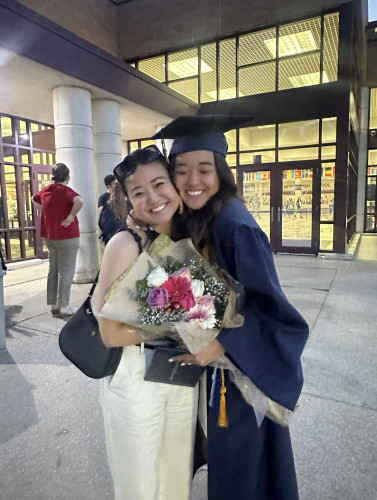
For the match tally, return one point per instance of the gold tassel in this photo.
(223, 419)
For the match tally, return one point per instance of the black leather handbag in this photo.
(80, 341)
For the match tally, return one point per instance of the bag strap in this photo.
(139, 242)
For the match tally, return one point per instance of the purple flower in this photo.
(158, 297)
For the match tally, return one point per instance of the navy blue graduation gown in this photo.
(247, 462)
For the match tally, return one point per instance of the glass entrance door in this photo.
(284, 199)
(371, 205)
(41, 178)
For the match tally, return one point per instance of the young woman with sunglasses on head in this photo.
(245, 461)
(149, 427)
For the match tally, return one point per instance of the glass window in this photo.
(24, 155)
(184, 64)
(231, 160)
(9, 154)
(328, 152)
(227, 69)
(257, 79)
(298, 154)
(26, 188)
(231, 139)
(11, 195)
(327, 191)
(257, 157)
(299, 71)
(188, 88)
(299, 133)
(259, 137)
(330, 48)
(6, 130)
(298, 38)
(372, 157)
(208, 90)
(15, 244)
(328, 130)
(37, 158)
(2, 209)
(30, 243)
(154, 67)
(144, 144)
(257, 47)
(326, 239)
(373, 108)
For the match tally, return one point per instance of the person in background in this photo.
(108, 221)
(149, 426)
(245, 461)
(60, 228)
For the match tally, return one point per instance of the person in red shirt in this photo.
(60, 229)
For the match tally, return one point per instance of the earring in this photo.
(180, 211)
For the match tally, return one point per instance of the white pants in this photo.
(150, 432)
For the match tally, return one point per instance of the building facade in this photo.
(307, 168)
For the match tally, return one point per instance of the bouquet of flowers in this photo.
(172, 290)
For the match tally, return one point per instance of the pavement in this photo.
(51, 433)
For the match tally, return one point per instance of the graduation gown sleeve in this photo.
(267, 348)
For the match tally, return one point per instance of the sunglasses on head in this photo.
(140, 156)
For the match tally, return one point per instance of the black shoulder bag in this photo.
(80, 340)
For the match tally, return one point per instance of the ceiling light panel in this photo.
(184, 64)
(253, 47)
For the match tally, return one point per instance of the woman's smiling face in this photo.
(196, 178)
(152, 195)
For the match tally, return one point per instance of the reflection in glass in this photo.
(327, 191)
(261, 137)
(257, 157)
(371, 198)
(29, 243)
(11, 196)
(298, 133)
(296, 212)
(373, 108)
(326, 238)
(256, 193)
(15, 244)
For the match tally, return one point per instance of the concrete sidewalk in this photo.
(51, 433)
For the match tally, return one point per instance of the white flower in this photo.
(197, 287)
(202, 316)
(157, 276)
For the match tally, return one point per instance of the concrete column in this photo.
(363, 159)
(107, 139)
(74, 147)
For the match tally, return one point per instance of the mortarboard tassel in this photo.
(223, 419)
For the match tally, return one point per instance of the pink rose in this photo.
(184, 272)
(158, 298)
(206, 300)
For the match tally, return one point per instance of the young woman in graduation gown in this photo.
(245, 461)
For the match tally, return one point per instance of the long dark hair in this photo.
(197, 224)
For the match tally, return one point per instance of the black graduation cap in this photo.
(201, 132)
